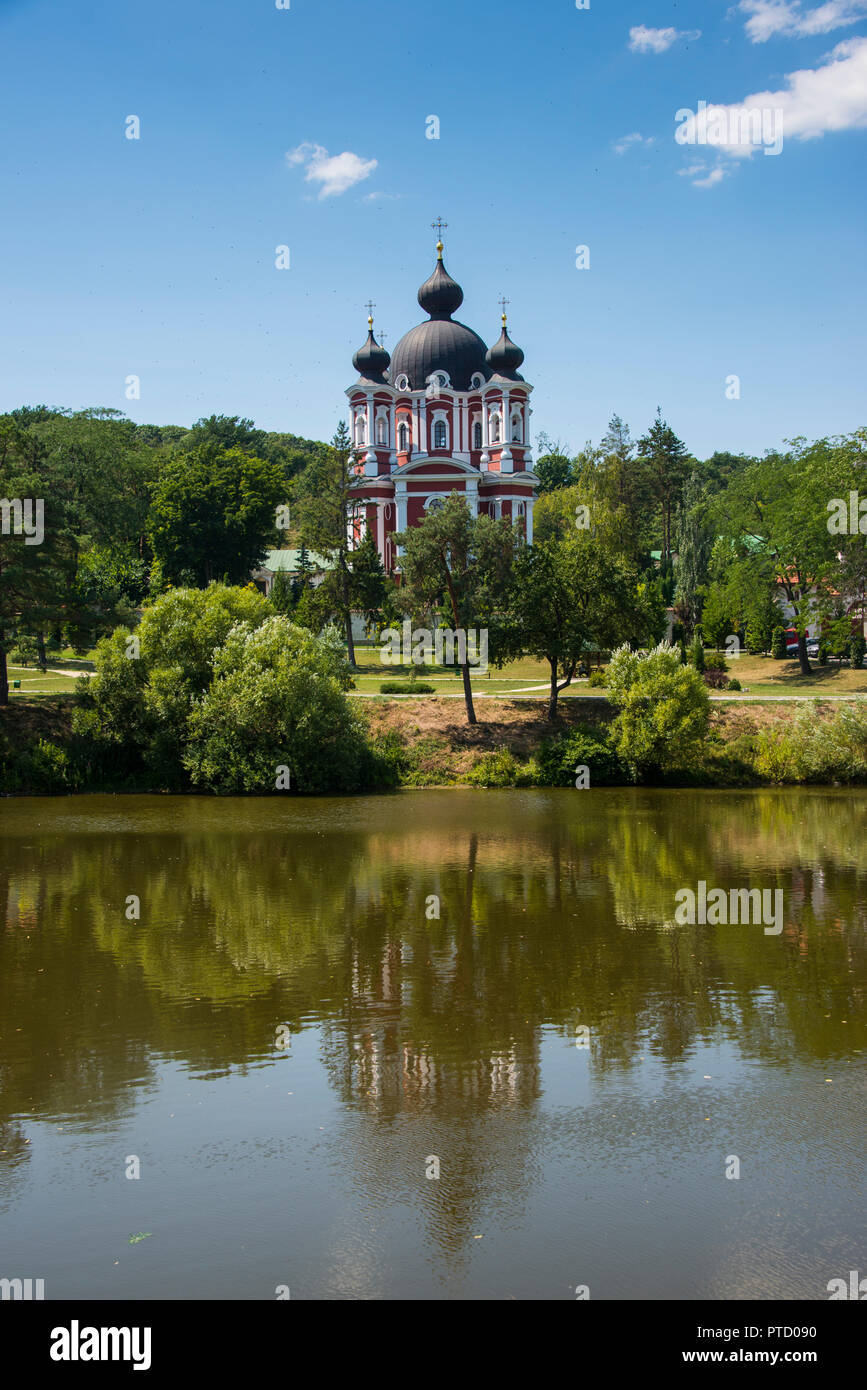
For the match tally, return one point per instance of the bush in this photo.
(779, 644)
(596, 680)
(664, 709)
(405, 688)
(559, 758)
(857, 651)
(697, 653)
(500, 769)
(715, 680)
(734, 684)
(275, 701)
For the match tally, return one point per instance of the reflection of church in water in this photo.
(384, 1070)
(444, 414)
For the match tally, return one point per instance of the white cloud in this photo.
(789, 18)
(644, 40)
(816, 102)
(381, 197)
(335, 173)
(627, 142)
(714, 177)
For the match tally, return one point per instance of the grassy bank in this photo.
(427, 742)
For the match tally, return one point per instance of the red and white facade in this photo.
(415, 442)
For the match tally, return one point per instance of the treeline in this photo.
(126, 511)
(730, 536)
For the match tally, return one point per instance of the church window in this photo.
(495, 428)
(359, 429)
(381, 430)
(440, 440)
(402, 438)
(516, 428)
(477, 435)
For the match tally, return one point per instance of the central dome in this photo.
(440, 344)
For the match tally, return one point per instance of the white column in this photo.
(380, 530)
(530, 521)
(473, 496)
(400, 503)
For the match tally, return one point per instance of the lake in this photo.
(315, 1006)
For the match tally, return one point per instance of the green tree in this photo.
(663, 709)
(693, 540)
(567, 596)
(329, 509)
(213, 514)
(370, 584)
(668, 464)
(463, 565)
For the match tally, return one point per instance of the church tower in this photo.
(444, 414)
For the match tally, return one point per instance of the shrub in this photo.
(405, 688)
(499, 769)
(583, 747)
(596, 680)
(664, 709)
(779, 644)
(715, 680)
(823, 654)
(734, 684)
(857, 651)
(275, 700)
(697, 652)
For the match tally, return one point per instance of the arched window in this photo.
(434, 504)
(477, 435)
(402, 438)
(517, 432)
(496, 510)
(381, 427)
(518, 508)
(359, 428)
(440, 439)
(495, 428)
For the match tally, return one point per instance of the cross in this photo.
(439, 227)
(382, 338)
(502, 301)
(370, 306)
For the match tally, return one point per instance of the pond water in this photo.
(287, 1043)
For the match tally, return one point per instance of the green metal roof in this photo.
(287, 560)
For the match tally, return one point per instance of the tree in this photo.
(328, 510)
(553, 465)
(370, 584)
(667, 462)
(567, 595)
(213, 514)
(775, 515)
(275, 716)
(462, 564)
(694, 538)
(663, 709)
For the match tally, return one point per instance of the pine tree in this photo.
(668, 461)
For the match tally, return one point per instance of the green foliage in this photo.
(213, 514)
(857, 651)
(596, 680)
(664, 711)
(559, 758)
(734, 684)
(696, 653)
(779, 644)
(492, 770)
(275, 701)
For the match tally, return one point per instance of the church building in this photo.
(444, 414)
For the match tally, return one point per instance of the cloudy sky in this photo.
(710, 156)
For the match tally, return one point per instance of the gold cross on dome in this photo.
(370, 306)
(439, 227)
(502, 301)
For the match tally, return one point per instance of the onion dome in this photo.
(505, 357)
(372, 360)
(440, 295)
(440, 343)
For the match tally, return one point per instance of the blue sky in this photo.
(156, 257)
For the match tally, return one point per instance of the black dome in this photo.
(440, 295)
(505, 357)
(372, 360)
(439, 345)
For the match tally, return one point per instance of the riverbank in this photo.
(427, 742)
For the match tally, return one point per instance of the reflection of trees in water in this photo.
(556, 909)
